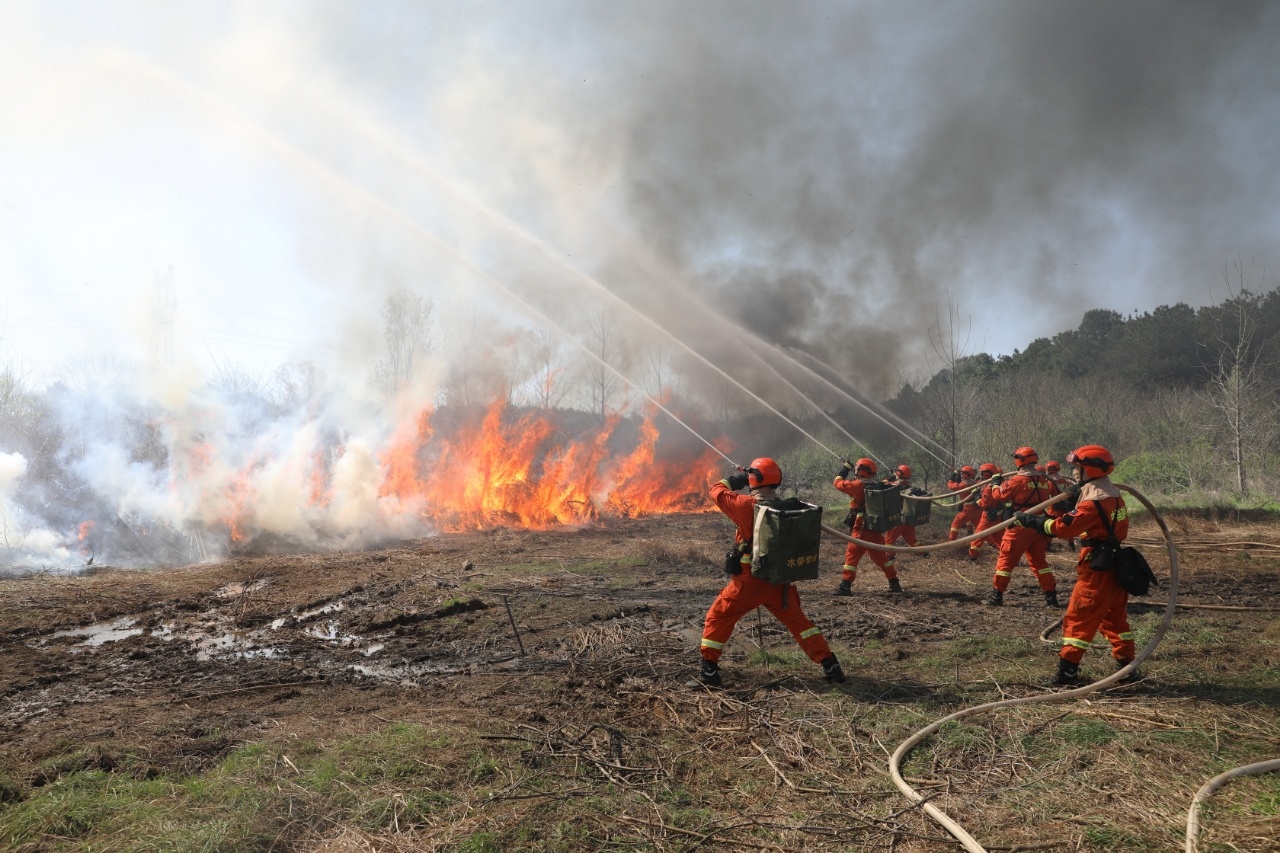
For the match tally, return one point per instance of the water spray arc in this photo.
(333, 178)
(515, 229)
(328, 174)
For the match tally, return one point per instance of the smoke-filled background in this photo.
(252, 254)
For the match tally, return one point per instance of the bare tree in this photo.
(406, 332)
(950, 399)
(661, 379)
(549, 380)
(1239, 387)
(609, 357)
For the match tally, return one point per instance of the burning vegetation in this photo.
(291, 484)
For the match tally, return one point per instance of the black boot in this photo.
(710, 674)
(1068, 675)
(845, 588)
(1131, 677)
(894, 586)
(995, 598)
(831, 670)
(1051, 598)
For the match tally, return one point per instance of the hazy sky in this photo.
(827, 174)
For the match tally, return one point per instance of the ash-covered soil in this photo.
(187, 663)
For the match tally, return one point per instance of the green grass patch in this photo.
(374, 781)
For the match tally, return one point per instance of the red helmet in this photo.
(1041, 469)
(1093, 459)
(1026, 456)
(967, 471)
(988, 469)
(903, 471)
(763, 472)
(865, 468)
(1052, 466)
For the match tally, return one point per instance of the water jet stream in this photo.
(330, 176)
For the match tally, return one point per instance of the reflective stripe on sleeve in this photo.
(1127, 635)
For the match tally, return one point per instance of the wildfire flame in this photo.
(520, 473)
(436, 471)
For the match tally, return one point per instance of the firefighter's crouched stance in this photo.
(863, 475)
(745, 592)
(1098, 602)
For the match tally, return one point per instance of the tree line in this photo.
(1187, 399)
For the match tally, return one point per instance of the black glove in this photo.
(737, 482)
(1072, 489)
(996, 479)
(1032, 522)
(955, 475)
(843, 473)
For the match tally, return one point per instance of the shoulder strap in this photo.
(1106, 518)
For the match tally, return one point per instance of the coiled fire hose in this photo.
(939, 816)
(1193, 815)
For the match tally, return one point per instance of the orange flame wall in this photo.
(521, 473)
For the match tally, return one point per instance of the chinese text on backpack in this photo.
(1133, 573)
(785, 541)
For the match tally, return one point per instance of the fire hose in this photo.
(939, 816)
(1193, 814)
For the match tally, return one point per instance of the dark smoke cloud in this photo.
(833, 174)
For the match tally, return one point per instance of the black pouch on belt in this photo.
(733, 562)
(850, 519)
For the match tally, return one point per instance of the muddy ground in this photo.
(176, 667)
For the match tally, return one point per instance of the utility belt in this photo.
(998, 514)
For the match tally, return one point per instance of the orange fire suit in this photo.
(989, 511)
(1019, 493)
(969, 514)
(905, 532)
(1098, 602)
(1066, 506)
(856, 490)
(744, 592)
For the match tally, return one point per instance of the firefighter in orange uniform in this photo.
(1054, 470)
(864, 471)
(989, 509)
(1020, 492)
(969, 513)
(905, 532)
(1098, 602)
(744, 592)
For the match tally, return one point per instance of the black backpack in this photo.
(785, 541)
(915, 512)
(1133, 573)
(883, 508)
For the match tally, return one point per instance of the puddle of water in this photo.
(372, 650)
(224, 646)
(103, 632)
(320, 611)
